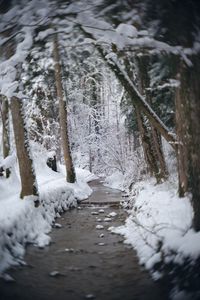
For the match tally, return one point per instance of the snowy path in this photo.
(91, 263)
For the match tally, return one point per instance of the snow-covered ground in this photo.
(21, 223)
(159, 226)
(115, 181)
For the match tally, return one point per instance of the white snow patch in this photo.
(159, 225)
(115, 181)
(127, 30)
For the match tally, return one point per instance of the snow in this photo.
(43, 34)
(21, 222)
(8, 162)
(24, 17)
(115, 181)
(159, 225)
(126, 36)
(127, 30)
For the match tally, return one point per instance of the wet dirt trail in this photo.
(84, 262)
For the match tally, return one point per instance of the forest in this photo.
(103, 90)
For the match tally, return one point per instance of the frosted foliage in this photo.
(97, 128)
(30, 13)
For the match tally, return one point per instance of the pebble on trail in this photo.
(57, 225)
(101, 244)
(54, 274)
(107, 220)
(112, 214)
(94, 213)
(89, 296)
(69, 250)
(99, 227)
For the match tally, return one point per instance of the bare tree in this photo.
(5, 129)
(71, 176)
(27, 175)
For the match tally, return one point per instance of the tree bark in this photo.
(159, 153)
(181, 129)
(155, 137)
(188, 131)
(28, 179)
(71, 177)
(5, 130)
(147, 146)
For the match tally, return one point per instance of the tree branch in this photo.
(137, 99)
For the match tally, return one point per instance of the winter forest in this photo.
(100, 149)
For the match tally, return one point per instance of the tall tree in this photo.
(184, 31)
(27, 175)
(71, 176)
(15, 52)
(143, 62)
(5, 129)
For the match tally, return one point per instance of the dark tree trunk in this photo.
(182, 114)
(71, 176)
(155, 137)
(188, 131)
(147, 146)
(28, 179)
(5, 130)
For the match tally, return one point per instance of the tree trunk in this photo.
(159, 153)
(28, 179)
(5, 130)
(181, 129)
(89, 144)
(71, 177)
(188, 131)
(149, 155)
(156, 161)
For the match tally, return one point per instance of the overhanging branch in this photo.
(137, 99)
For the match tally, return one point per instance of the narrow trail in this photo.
(88, 266)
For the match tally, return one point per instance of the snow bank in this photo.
(159, 226)
(115, 181)
(22, 223)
